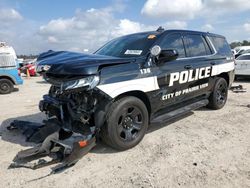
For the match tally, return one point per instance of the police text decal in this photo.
(184, 91)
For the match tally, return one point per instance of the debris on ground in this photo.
(247, 106)
(55, 143)
(238, 89)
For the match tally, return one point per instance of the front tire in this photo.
(6, 86)
(218, 97)
(127, 123)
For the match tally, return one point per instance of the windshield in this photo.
(128, 46)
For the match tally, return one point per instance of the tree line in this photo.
(243, 43)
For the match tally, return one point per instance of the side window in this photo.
(196, 46)
(243, 57)
(221, 46)
(173, 41)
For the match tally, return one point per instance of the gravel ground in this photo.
(204, 149)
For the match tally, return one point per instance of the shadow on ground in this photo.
(42, 82)
(16, 136)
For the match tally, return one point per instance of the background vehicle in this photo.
(242, 67)
(30, 66)
(9, 73)
(245, 51)
(240, 50)
(233, 52)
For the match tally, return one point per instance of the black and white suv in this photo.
(136, 80)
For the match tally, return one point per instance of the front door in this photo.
(166, 72)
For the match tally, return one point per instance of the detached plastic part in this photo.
(67, 152)
(57, 144)
(238, 89)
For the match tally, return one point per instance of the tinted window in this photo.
(221, 46)
(246, 51)
(196, 46)
(173, 41)
(243, 57)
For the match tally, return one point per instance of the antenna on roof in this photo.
(160, 29)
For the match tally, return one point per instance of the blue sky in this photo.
(32, 27)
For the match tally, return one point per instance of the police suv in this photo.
(136, 80)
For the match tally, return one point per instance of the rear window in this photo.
(243, 57)
(221, 46)
(196, 46)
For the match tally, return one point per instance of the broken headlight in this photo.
(90, 81)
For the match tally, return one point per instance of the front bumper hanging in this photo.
(60, 146)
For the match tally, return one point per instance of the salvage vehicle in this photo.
(240, 50)
(9, 72)
(242, 67)
(133, 81)
(29, 67)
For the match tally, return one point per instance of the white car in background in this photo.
(233, 51)
(246, 51)
(242, 67)
(240, 50)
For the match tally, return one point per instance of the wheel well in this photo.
(225, 76)
(8, 78)
(139, 94)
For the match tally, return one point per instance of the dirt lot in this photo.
(205, 149)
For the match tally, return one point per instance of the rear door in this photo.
(199, 56)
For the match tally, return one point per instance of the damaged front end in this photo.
(76, 110)
(75, 103)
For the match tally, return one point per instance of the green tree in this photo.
(243, 43)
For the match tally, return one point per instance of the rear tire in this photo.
(218, 97)
(6, 86)
(126, 124)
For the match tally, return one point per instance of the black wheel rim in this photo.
(130, 123)
(5, 87)
(221, 93)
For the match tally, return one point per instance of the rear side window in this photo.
(221, 46)
(243, 57)
(173, 41)
(196, 45)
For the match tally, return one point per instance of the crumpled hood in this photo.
(72, 63)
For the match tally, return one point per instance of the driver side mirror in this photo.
(168, 55)
(164, 55)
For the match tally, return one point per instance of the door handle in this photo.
(188, 67)
(212, 63)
